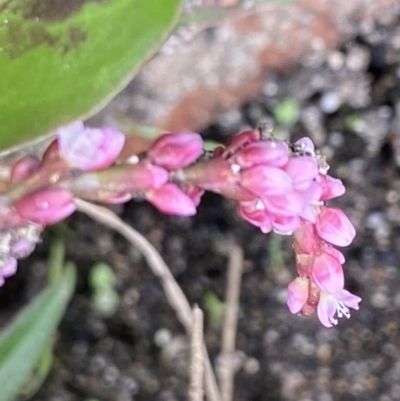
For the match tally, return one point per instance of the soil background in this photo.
(349, 102)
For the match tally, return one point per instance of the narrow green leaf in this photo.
(22, 342)
(62, 60)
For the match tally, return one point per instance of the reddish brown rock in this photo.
(198, 74)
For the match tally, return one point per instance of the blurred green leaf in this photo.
(24, 340)
(287, 112)
(101, 276)
(63, 60)
(39, 373)
(105, 299)
(213, 307)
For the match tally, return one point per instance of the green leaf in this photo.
(287, 112)
(23, 341)
(60, 61)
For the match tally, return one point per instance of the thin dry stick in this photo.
(226, 370)
(196, 392)
(173, 292)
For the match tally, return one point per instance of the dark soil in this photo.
(350, 105)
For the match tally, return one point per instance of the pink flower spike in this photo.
(46, 207)
(303, 170)
(175, 151)
(24, 168)
(297, 294)
(274, 153)
(334, 226)
(331, 187)
(170, 199)
(327, 273)
(338, 304)
(89, 148)
(266, 180)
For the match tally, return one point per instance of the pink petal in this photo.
(284, 205)
(259, 218)
(24, 168)
(274, 153)
(331, 187)
(327, 273)
(297, 294)
(9, 269)
(334, 226)
(326, 310)
(239, 141)
(170, 199)
(306, 144)
(266, 180)
(348, 299)
(303, 170)
(175, 151)
(285, 225)
(46, 207)
(89, 148)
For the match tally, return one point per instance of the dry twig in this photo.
(226, 370)
(196, 392)
(173, 291)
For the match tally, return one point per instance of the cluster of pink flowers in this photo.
(277, 186)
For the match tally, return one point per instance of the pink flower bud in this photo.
(284, 205)
(175, 151)
(24, 168)
(239, 141)
(193, 192)
(303, 170)
(334, 226)
(169, 199)
(9, 269)
(297, 294)
(46, 207)
(306, 145)
(266, 180)
(327, 273)
(331, 187)
(285, 225)
(273, 153)
(89, 148)
(257, 217)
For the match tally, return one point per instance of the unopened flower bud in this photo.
(239, 141)
(273, 153)
(331, 187)
(259, 217)
(46, 207)
(334, 226)
(89, 148)
(170, 199)
(24, 168)
(175, 151)
(266, 180)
